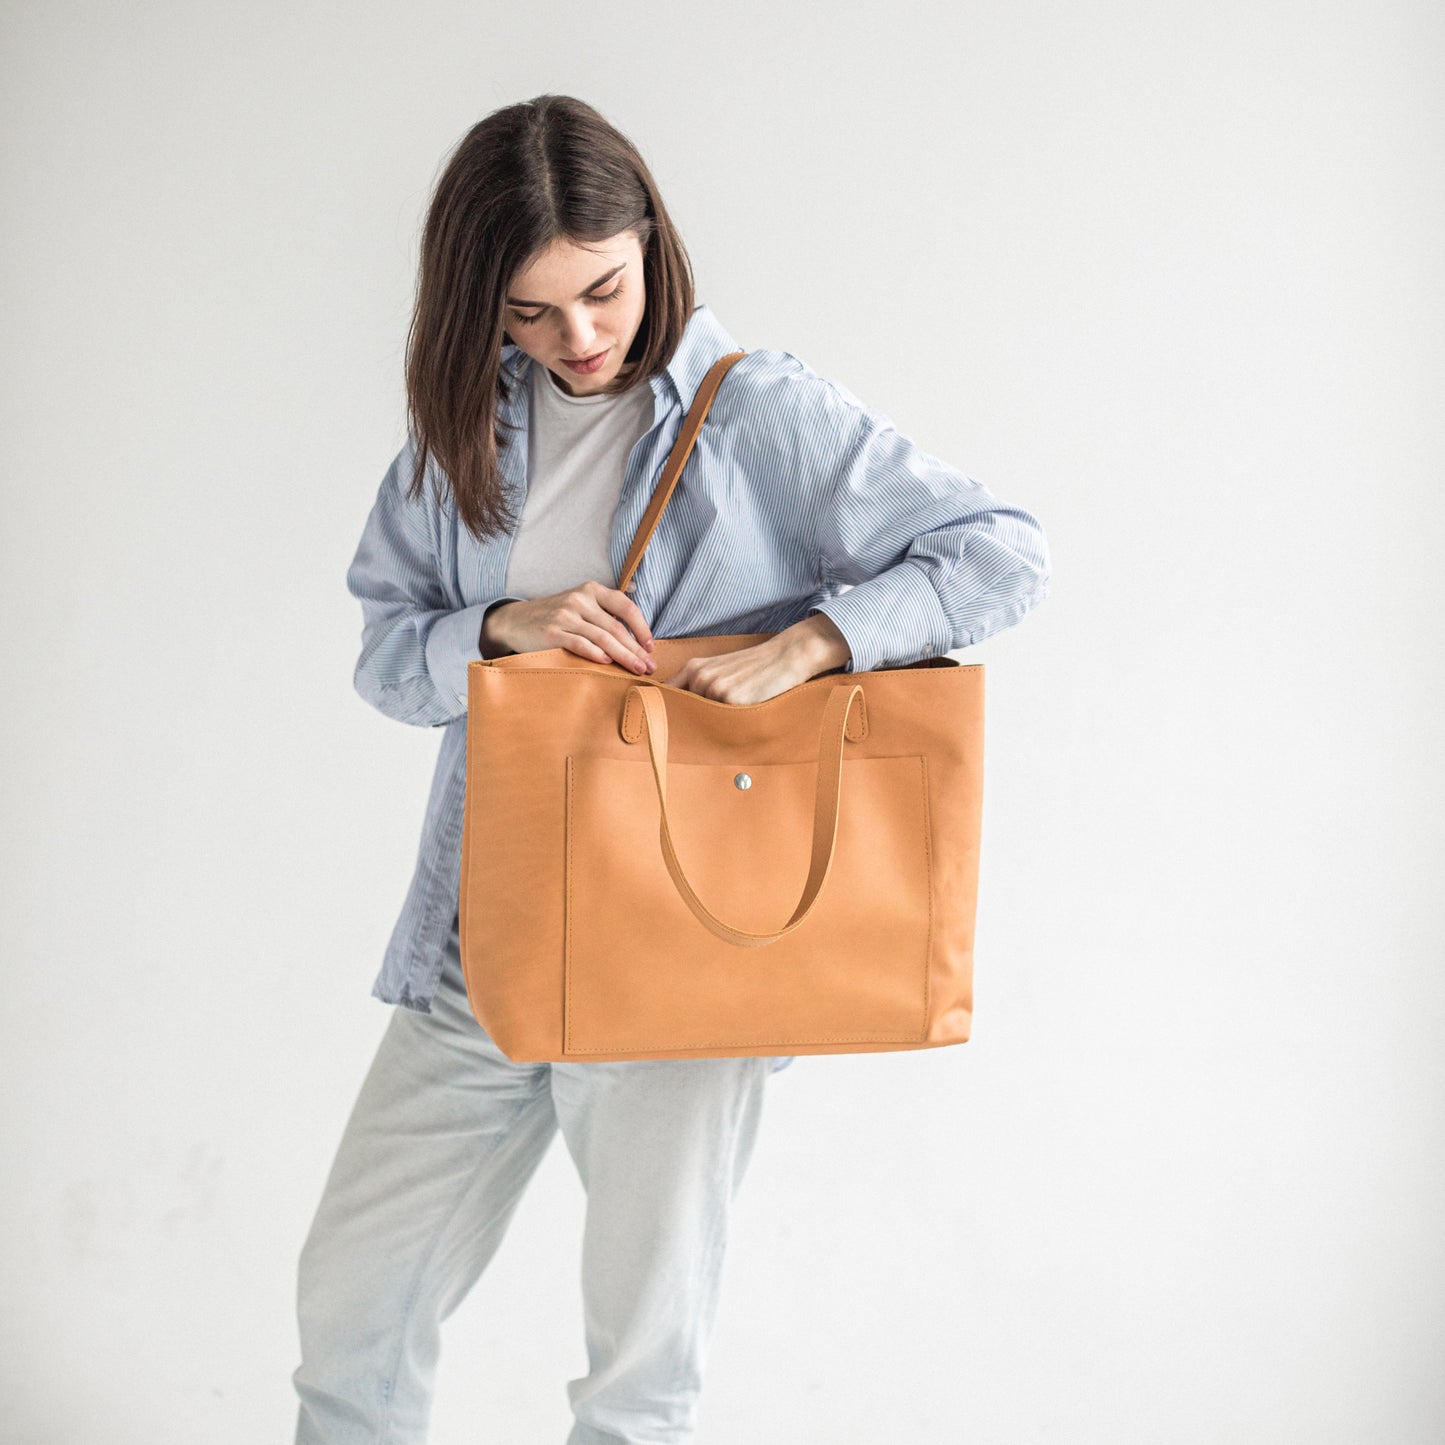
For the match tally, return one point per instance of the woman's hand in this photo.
(596, 622)
(754, 674)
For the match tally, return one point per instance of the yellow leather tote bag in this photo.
(648, 873)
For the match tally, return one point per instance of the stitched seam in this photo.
(911, 1036)
(928, 895)
(567, 920)
(781, 698)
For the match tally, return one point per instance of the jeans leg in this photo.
(443, 1139)
(662, 1146)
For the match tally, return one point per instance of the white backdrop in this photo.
(1170, 277)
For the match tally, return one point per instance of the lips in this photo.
(590, 363)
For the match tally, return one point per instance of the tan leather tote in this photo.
(650, 874)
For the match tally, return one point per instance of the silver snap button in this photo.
(742, 781)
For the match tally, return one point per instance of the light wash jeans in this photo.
(440, 1145)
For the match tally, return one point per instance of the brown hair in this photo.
(525, 176)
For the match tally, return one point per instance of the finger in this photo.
(631, 614)
(602, 617)
(612, 647)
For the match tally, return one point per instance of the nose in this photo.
(578, 335)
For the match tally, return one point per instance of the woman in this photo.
(555, 348)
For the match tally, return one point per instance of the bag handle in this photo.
(677, 458)
(831, 735)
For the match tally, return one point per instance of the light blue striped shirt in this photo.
(797, 497)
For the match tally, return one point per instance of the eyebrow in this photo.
(512, 300)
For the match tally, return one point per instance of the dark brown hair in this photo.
(525, 176)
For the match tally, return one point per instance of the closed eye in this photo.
(602, 300)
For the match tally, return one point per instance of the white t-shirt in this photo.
(577, 451)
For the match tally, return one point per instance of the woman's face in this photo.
(571, 303)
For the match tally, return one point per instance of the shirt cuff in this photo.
(895, 617)
(455, 641)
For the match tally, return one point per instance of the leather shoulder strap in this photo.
(676, 460)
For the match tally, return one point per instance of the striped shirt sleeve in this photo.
(415, 647)
(933, 560)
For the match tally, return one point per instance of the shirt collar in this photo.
(704, 339)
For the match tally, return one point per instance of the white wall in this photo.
(1170, 276)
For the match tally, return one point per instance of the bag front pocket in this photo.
(642, 973)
